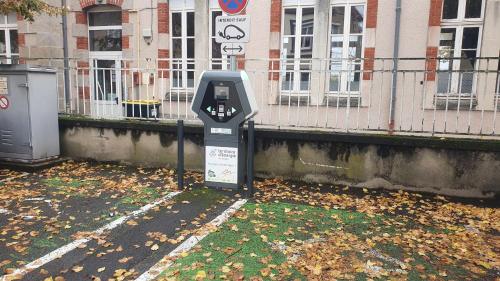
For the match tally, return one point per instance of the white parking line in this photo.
(18, 273)
(188, 244)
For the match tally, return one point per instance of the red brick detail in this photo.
(240, 62)
(371, 13)
(275, 15)
(118, 3)
(274, 65)
(163, 63)
(368, 63)
(431, 63)
(86, 3)
(81, 17)
(435, 12)
(125, 17)
(89, 3)
(84, 92)
(163, 18)
(82, 43)
(83, 67)
(21, 39)
(125, 42)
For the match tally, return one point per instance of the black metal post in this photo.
(180, 154)
(250, 156)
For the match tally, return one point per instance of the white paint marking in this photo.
(58, 253)
(322, 165)
(188, 244)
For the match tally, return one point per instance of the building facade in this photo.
(333, 64)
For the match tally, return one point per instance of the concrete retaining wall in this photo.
(467, 168)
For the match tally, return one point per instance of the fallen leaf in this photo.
(77, 268)
(155, 247)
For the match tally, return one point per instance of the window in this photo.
(346, 48)
(297, 48)
(461, 28)
(105, 31)
(183, 42)
(9, 48)
(218, 61)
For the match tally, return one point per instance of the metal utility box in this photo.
(29, 131)
(224, 101)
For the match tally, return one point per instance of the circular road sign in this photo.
(4, 102)
(233, 7)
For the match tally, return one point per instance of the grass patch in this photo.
(249, 245)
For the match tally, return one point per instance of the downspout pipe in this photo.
(395, 61)
(67, 95)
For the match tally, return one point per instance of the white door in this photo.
(106, 84)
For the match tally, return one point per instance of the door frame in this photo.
(101, 107)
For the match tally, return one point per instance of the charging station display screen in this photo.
(221, 93)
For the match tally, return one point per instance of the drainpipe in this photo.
(395, 58)
(67, 96)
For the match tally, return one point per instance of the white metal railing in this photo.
(425, 101)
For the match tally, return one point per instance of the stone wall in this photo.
(457, 167)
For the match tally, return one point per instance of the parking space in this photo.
(89, 221)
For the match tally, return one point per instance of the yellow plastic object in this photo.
(142, 102)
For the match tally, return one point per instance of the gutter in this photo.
(395, 59)
(67, 89)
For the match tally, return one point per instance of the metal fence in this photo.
(454, 97)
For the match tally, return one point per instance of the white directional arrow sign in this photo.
(232, 49)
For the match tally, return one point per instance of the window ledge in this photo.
(454, 102)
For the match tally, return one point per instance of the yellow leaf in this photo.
(155, 247)
(200, 275)
(317, 270)
(48, 279)
(101, 269)
(226, 269)
(59, 278)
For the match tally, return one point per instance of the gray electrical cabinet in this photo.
(224, 101)
(29, 131)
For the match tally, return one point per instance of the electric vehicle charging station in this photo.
(224, 101)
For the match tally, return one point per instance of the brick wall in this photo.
(163, 18)
(368, 63)
(431, 63)
(371, 13)
(163, 65)
(275, 16)
(435, 12)
(274, 65)
(82, 43)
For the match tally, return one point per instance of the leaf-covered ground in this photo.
(42, 211)
(295, 232)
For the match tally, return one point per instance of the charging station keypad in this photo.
(221, 102)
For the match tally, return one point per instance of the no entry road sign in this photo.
(233, 7)
(4, 102)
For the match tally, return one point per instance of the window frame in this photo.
(297, 60)
(461, 14)
(104, 27)
(6, 28)
(459, 24)
(344, 86)
(183, 61)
